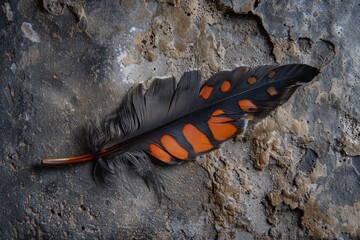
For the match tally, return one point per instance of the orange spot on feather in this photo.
(251, 80)
(173, 147)
(225, 86)
(271, 91)
(220, 127)
(159, 153)
(206, 92)
(246, 105)
(197, 139)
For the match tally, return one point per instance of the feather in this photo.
(171, 122)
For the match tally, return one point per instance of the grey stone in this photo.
(66, 63)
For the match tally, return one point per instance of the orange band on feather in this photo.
(206, 92)
(219, 126)
(158, 153)
(197, 139)
(173, 147)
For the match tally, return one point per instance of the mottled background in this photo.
(66, 62)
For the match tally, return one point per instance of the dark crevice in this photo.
(256, 4)
(333, 48)
(220, 6)
(332, 45)
(289, 34)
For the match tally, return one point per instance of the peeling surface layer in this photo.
(65, 63)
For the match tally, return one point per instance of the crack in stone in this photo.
(252, 16)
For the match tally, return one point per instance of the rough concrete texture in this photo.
(67, 62)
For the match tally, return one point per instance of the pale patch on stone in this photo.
(29, 32)
(7, 10)
(351, 147)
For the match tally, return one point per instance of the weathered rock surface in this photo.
(65, 63)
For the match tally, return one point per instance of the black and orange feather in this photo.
(173, 122)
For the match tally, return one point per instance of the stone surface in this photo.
(65, 63)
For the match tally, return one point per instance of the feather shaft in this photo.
(69, 160)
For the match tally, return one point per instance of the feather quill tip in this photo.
(69, 160)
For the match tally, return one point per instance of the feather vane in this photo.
(171, 122)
